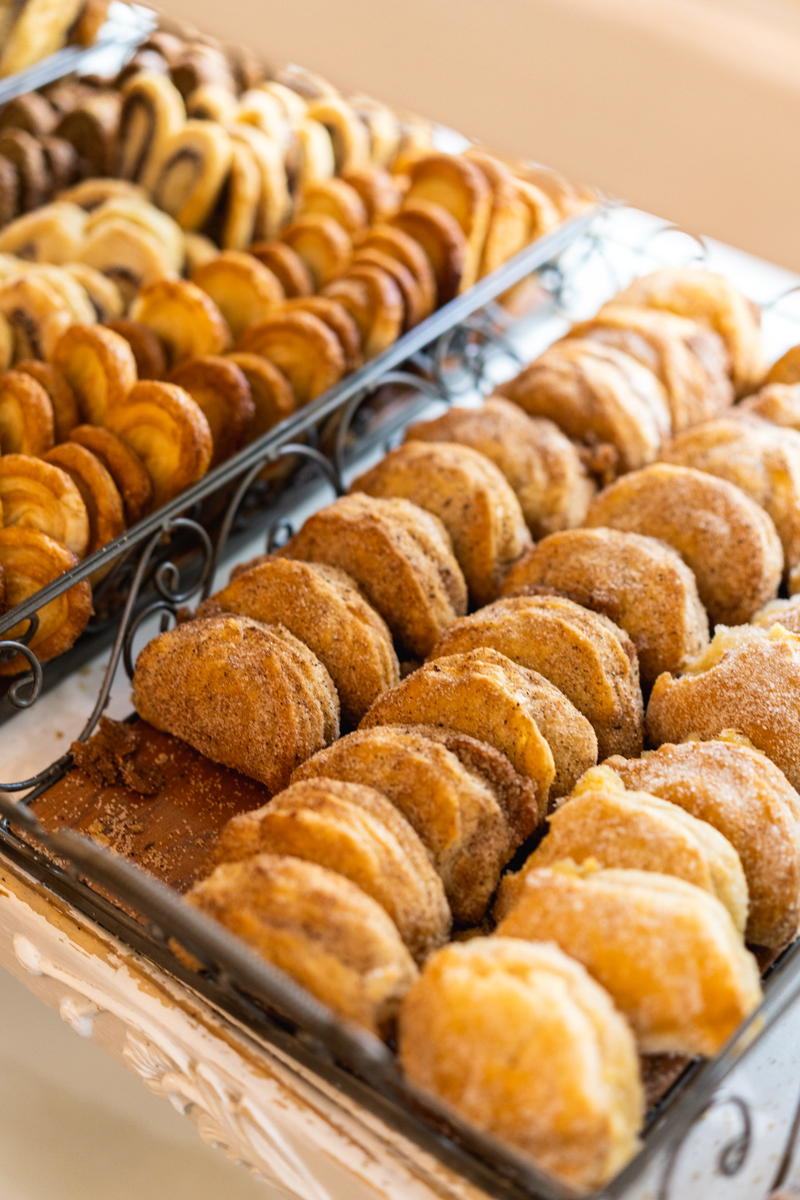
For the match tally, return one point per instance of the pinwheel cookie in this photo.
(666, 951)
(584, 654)
(479, 1023)
(337, 317)
(393, 243)
(273, 702)
(152, 112)
(324, 246)
(728, 541)
(441, 238)
(52, 234)
(99, 366)
(323, 607)
(471, 498)
(354, 830)
(37, 495)
(641, 583)
(541, 465)
(468, 805)
(190, 169)
(746, 680)
(374, 300)
(243, 289)
(399, 555)
(319, 928)
(61, 396)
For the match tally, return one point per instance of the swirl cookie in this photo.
(37, 495)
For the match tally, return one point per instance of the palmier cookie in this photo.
(61, 395)
(542, 466)
(186, 320)
(442, 240)
(761, 459)
(323, 607)
(274, 706)
(399, 555)
(597, 395)
(786, 369)
(318, 927)
(99, 366)
(98, 490)
(470, 497)
(734, 787)
(745, 680)
(151, 361)
(37, 495)
(26, 415)
(641, 584)
(354, 830)
(666, 951)
(602, 821)
(778, 403)
(303, 347)
(221, 390)
(479, 1023)
(728, 541)
(468, 805)
(489, 697)
(123, 465)
(584, 654)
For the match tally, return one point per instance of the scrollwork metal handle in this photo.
(731, 1157)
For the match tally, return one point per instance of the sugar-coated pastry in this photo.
(584, 654)
(775, 402)
(602, 821)
(470, 497)
(354, 830)
(728, 541)
(787, 368)
(745, 680)
(248, 695)
(666, 951)
(476, 1029)
(780, 612)
(318, 927)
(641, 583)
(735, 788)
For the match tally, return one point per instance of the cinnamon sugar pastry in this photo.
(317, 927)
(778, 403)
(409, 253)
(786, 369)
(479, 1023)
(442, 240)
(780, 612)
(36, 495)
(337, 199)
(582, 653)
(221, 390)
(26, 415)
(353, 830)
(123, 465)
(349, 137)
(98, 490)
(666, 951)
(186, 320)
(92, 130)
(98, 365)
(710, 300)
(270, 391)
(61, 395)
(30, 559)
(148, 352)
(471, 498)
(190, 170)
(274, 703)
(375, 302)
(63, 164)
(287, 266)
(152, 112)
(468, 805)
(243, 289)
(322, 606)
(31, 111)
(322, 244)
(745, 680)
(400, 557)
(641, 583)
(51, 234)
(542, 466)
(338, 319)
(603, 822)
(728, 541)
(735, 788)
(303, 347)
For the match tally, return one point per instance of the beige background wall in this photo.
(690, 108)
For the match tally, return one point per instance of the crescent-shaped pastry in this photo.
(321, 606)
(442, 240)
(377, 190)
(745, 680)
(317, 927)
(339, 321)
(29, 560)
(287, 266)
(243, 289)
(168, 431)
(97, 488)
(666, 951)
(602, 821)
(52, 234)
(396, 244)
(152, 112)
(642, 584)
(732, 786)
(375, 302)
(221, 390)
(186, 320)
(353, 830)
(710, 300)
(460, 187)
(729, 542)
(26, 415)
(323, 245)
(148, 352)
(99, 366)
(337, 199)
(36, 495)
(123, 465)
(62, 397)
(542, 466)
(585, 655)
(275, 703)
(349, 137)
(470, 497)
(778, 403)
(301, 346)
(479, 1023)
(786, 369)
(190, 170)
(399, 555)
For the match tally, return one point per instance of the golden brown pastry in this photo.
(509, 218)
(377, 190)
(270, 391)
(780, 612)
(641, 583)
(186, 320)
(353, 830)
(323, 245)
(399, 555)
(348, 134)
(123, 465)
(303, 347)
(98, 490)
(666, 951)
(104, 295)
(335, 198)
(36, 495)
(787, 368)
(286, 265)
(91, 129)
(62, 397)
(375, 302)
(340, 322)
(394, 243)
(323, 607)
(542, 466)
(603, 822)
(460, 187)
(129, 255)
(36, 31)
(728, 541)
(152, 112)
(26, 415)
(319, 928)
(243, 289)
(221, 390)
(584, 654)
(35, 313)
(151, 361)
(145, 217)
(51, 234)
(99, 366)
(470, 497)
(410, 291)
(26, 155)
(189, 171)
(479, 1023)
(442, 240)
(745, 680)
(247, 695)
(776, 402)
